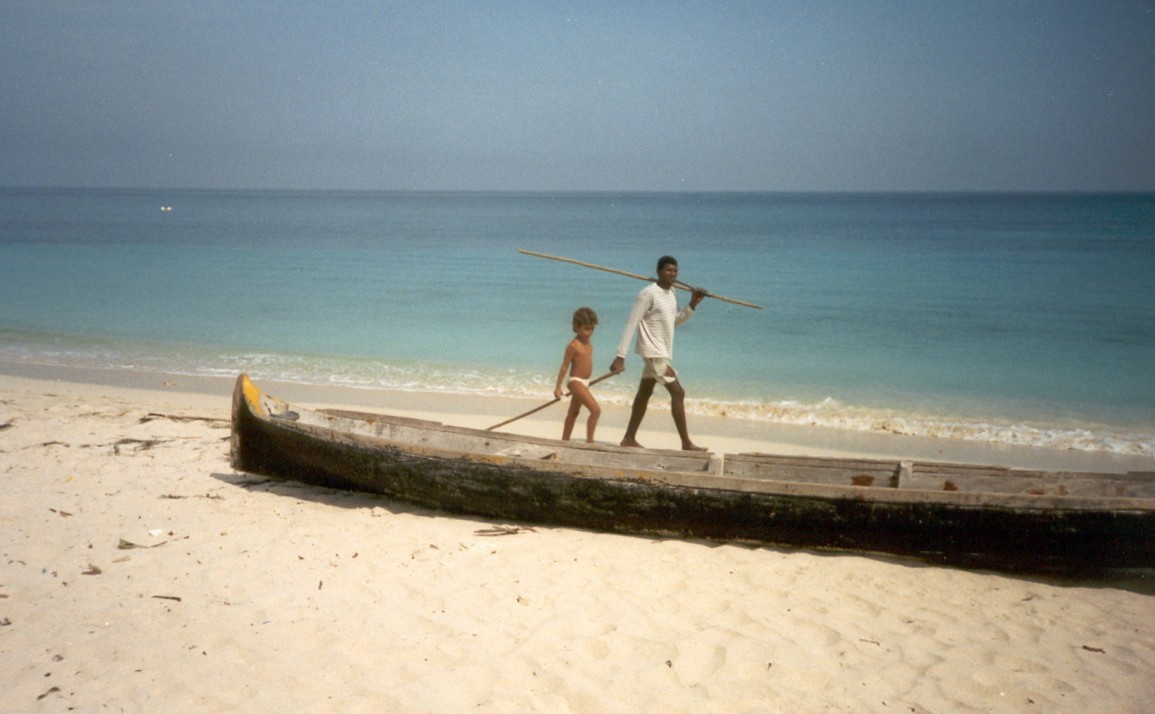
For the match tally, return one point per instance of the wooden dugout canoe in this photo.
(974, 516)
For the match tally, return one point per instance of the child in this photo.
(579, 362)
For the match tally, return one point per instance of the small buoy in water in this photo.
(166, 209)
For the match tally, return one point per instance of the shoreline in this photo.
(162, 569)
(718, 434)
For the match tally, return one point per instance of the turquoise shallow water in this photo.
(1006, 318)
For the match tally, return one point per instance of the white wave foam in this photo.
(371, 374)
(833, 414)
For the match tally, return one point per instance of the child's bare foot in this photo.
(692, 447)
(632, 443)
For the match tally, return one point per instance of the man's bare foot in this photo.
(632, 443)
(693, 447)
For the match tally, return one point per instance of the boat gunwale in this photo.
(508, 436)
(928, 467)
(709, 479)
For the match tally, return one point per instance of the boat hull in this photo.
(696, 504)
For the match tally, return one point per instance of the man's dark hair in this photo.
(666, 260)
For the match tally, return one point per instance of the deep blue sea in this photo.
(1025, 319)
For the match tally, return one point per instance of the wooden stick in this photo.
(555, 400)
(679, 284)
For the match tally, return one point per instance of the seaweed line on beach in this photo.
(214, 422)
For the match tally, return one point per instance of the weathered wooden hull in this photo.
(669, 493)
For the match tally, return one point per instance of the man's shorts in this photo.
(659, 368)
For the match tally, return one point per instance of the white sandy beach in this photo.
(139, 572)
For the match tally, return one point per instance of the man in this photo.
(654, 316)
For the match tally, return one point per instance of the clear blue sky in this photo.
(796, 95)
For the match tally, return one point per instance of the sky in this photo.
(550, 95)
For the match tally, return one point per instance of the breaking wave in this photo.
(370, 374)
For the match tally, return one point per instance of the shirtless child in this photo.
(579, 363)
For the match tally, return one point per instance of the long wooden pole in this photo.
(555, 400)
(681, 285)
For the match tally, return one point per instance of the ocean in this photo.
(1005, 318)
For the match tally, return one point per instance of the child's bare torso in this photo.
(583, 359)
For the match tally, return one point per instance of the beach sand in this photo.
(139, 572)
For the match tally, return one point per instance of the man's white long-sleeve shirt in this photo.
(654, 316)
